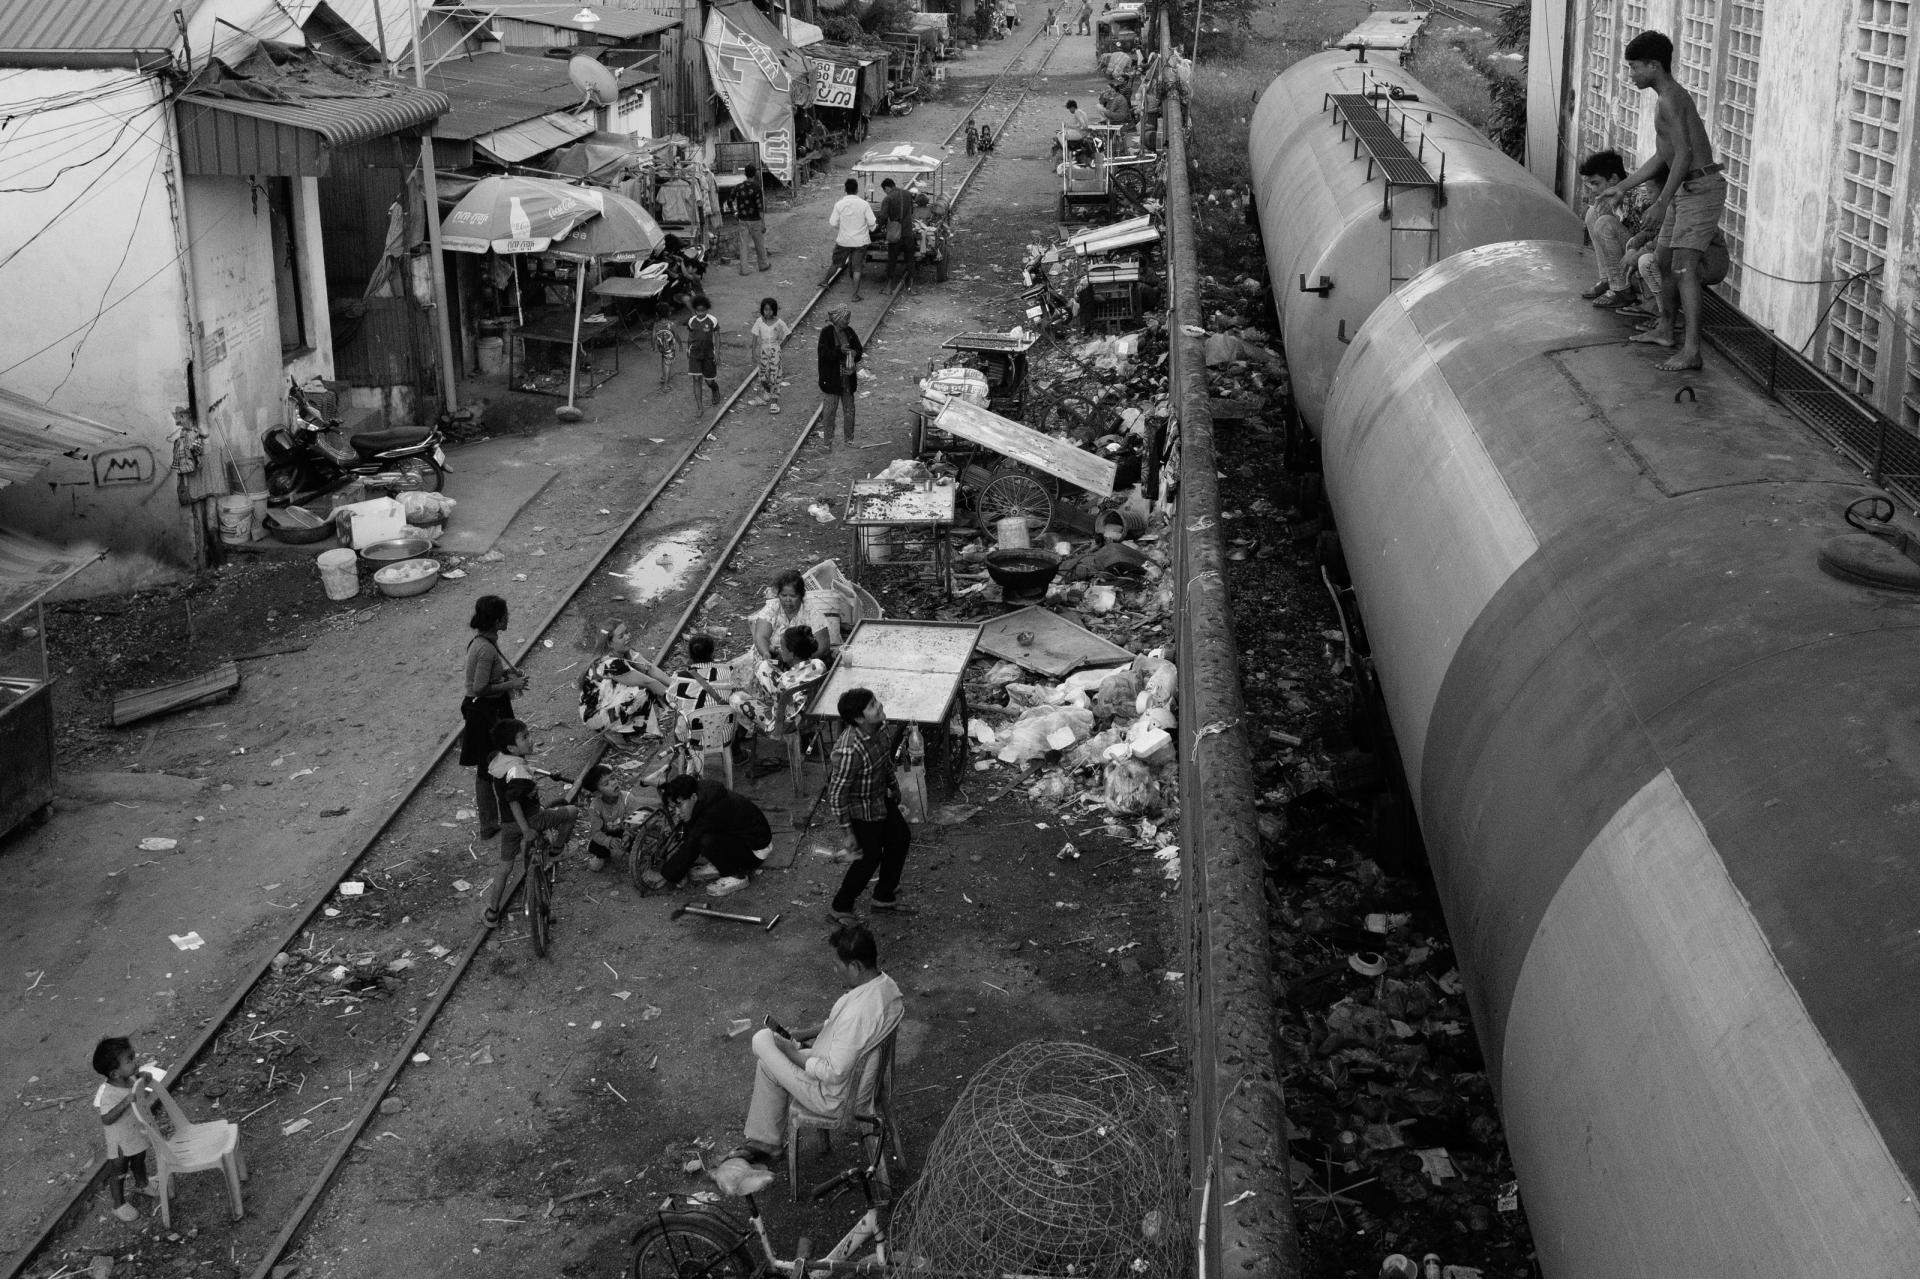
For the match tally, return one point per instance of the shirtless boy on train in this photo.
(1688, 208)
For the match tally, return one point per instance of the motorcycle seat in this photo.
(372, 443)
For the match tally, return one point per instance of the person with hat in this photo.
(840, 352)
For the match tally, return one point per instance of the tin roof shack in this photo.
(164, 220)
(637, 46)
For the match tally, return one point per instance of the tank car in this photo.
(1667, 771)
(1338, 237)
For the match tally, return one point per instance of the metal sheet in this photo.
(530, 137)
(915, 668)
(29, 568)
(86, 24)
(1056, 646)
(1062, 459)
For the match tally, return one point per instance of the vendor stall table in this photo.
(28, 571)
(889, 518)
(914, 668)
(555, 333)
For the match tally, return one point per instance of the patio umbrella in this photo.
(514, 215)
(622, 231)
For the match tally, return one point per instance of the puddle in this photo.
(662, 567)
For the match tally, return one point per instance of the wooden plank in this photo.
(1056, 647)
(1061, 459)
(913, 667)
(147, 702)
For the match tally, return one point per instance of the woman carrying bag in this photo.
(491, 682)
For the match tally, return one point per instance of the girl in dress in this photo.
(768, 332)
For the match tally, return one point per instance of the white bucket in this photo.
(1011, 532)
(236, 518)
(259, 500)
(490, 353)
(339, 573)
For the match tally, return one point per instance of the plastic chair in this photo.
(192, 1148)
(709, 732)
(868, 1112)
(788, 718)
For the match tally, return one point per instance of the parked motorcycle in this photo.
(314, 456)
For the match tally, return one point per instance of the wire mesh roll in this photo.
(1058, 1160)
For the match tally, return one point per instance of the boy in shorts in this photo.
(125, 1088)
(1690, 202)
(544, 832)
(701, 326)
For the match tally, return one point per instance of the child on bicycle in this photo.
(125, 1088)
(607, 814)
(523, 822)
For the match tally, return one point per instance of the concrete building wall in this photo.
(1811, 106)
(97, 323)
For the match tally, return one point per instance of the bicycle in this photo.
(539, 899)
(705, 1241)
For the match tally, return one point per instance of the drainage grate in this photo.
(1885, 450)
(1401, 167)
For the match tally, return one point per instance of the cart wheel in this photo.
(919, 433)
(1015, 494)
(940, 268)
(1131, 184)
(1073, 416)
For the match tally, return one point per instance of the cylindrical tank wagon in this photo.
(1363, 179)
(1667, 771)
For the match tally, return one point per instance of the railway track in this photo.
(380, 1029)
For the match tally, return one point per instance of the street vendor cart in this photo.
(917, 669)
(923, 175)
(901, 524)
(1014, 470)
(28, 571)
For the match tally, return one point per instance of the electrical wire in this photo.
(64, 169)
(73, 360)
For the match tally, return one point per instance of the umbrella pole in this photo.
(567, 412)
(519, 305)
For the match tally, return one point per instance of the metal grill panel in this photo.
(1401, 167)
(1698, 25)
(1626, 101)
(1602, 77)
(1733, 139)
(1869, 160)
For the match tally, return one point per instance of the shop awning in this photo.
(528, 138)
(29, 568)
(33, 435)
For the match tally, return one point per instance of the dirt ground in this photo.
(560, 1097)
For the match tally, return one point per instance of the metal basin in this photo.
(1022, 572)
(400, 548)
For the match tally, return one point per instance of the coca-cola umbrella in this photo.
(506, 214)
(623, 231)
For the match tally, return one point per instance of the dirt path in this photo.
(550, 1077)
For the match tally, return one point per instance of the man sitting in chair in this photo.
(823, 1076)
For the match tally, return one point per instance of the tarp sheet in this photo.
(29, 568)
(32, 435)
(761, 77)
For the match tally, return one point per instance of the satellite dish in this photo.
(594, 80)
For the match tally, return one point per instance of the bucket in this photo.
(490, 353)
(1011, 532)
(259, 500)
(236, 518)
(1118, 526)
(876, 547)
(339, 573)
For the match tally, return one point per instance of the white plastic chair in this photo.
(709, 732)
(868, 1111)
(192, 1148)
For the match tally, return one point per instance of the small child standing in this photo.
(701, 326)
(768, 332)
(666, 340)
(606, 815)
(973, 136)
(125, 1088)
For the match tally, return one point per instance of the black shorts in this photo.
(850, 257)
(703, 365)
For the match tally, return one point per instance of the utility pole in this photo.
(430, 192)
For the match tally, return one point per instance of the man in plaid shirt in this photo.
(866, 802)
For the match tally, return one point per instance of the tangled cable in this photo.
(1058, 1160)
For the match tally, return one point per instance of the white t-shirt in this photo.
(853, 222)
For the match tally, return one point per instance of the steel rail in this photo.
(55, 1221)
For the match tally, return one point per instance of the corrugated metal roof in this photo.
(489, 91)
(86, 24)
(613, 24)
(340, 122)
(530, 137)
(32, 435)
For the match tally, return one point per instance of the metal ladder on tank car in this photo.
(1403, 170)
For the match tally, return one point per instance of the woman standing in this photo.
(788, 606)
(491, 682)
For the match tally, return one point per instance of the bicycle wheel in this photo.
(691, 1245)
(648, 847)
(539, 905)
(1010, 494)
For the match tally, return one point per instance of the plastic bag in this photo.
(427, 508)
(1117, 693)
(1132, 790)
(1038, 731)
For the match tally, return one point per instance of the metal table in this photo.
(915, 668)
(556, 331)
(877, 508)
